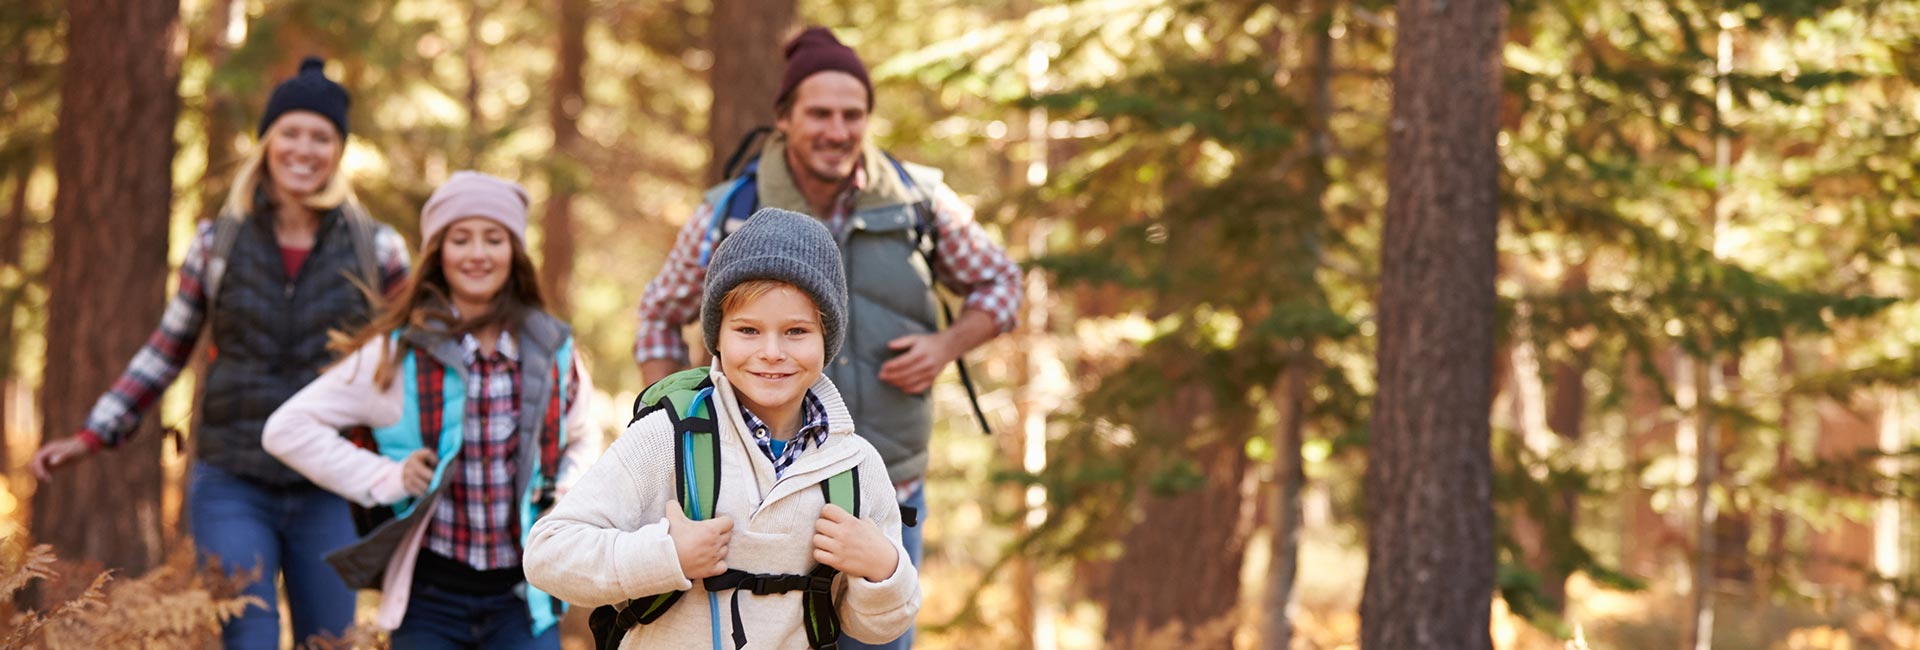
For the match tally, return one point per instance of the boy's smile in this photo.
(772, 349)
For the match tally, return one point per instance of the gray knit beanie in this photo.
(786, 246)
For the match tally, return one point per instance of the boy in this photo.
(774, 314)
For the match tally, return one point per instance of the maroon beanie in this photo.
(814, 51)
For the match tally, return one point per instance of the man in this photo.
(819, 162)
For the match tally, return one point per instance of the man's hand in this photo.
(702, 545)
(853, 545)
(917, 361)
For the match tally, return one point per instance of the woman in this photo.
(269, 278)
(471, 411)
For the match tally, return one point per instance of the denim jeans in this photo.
(910, 538)
(439, 619)
(283, 532)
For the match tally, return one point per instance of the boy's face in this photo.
(772, 347)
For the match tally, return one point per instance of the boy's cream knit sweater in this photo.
(606, 541)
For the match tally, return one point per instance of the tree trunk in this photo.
(565, 174)
(1430, 553)
(1289, 466)
(12, 231)
(473, 58)
(747, 39)
(1182, 559)
(223, 115)
(114, 155)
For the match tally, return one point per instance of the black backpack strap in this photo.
(740, 151)
(363, 231)
(610, 623)
(226, 231)
(820, 617)
(926, 240)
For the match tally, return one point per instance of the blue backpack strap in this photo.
(738, 204)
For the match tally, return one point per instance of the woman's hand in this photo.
(57, 454)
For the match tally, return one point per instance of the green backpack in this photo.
(686, 396)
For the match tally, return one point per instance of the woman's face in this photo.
(476, 256)
(303, 149)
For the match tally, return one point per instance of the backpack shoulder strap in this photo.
(737, 203)
(843, 490)
(226, 231)
(686, 398)
(364, 232)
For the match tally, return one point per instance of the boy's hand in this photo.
(853, 545)
(702, 545)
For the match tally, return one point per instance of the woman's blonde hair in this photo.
(253, 172)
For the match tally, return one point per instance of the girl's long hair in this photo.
(425, 302)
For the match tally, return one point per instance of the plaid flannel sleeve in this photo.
(672, 298)
(117, 414)
(971, 265)
(390, 250)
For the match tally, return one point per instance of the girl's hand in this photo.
(853, 545)
(416, 472)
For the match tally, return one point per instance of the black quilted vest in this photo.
(270, 337)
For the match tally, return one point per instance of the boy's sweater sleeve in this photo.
(606, 541)
(584, 436)
(304, 432)
(877, 612)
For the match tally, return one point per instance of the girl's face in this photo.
(303, 149)
(772, 348)
(476, 256)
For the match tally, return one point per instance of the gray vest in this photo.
(270, 333)
(889, 295)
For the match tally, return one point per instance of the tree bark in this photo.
(11, 234)
(1182, 559)
(1289, 466)
(1429, 480)
(222, 114)
(565, 174)
(113, 159)
(747, 39)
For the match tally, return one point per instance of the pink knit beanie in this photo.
(473, 194)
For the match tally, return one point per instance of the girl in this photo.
(471, 409)
(775, 310)
(269, 278)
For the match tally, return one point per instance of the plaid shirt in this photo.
(813, 433)
(475, 523)
(970, 264)
(117, 414)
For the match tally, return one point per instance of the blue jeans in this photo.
(910, 538)
(440, 619)
(282, 532)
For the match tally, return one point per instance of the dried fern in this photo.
(180, 604)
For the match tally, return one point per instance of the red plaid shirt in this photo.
(117, 414)
(475, 523)
(970, 264)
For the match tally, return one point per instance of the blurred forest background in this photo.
(1704, 428)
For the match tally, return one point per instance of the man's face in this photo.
(826, 126)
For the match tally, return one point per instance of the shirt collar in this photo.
(503, 348)
(813, 421)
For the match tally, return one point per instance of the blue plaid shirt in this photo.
(813, 433)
